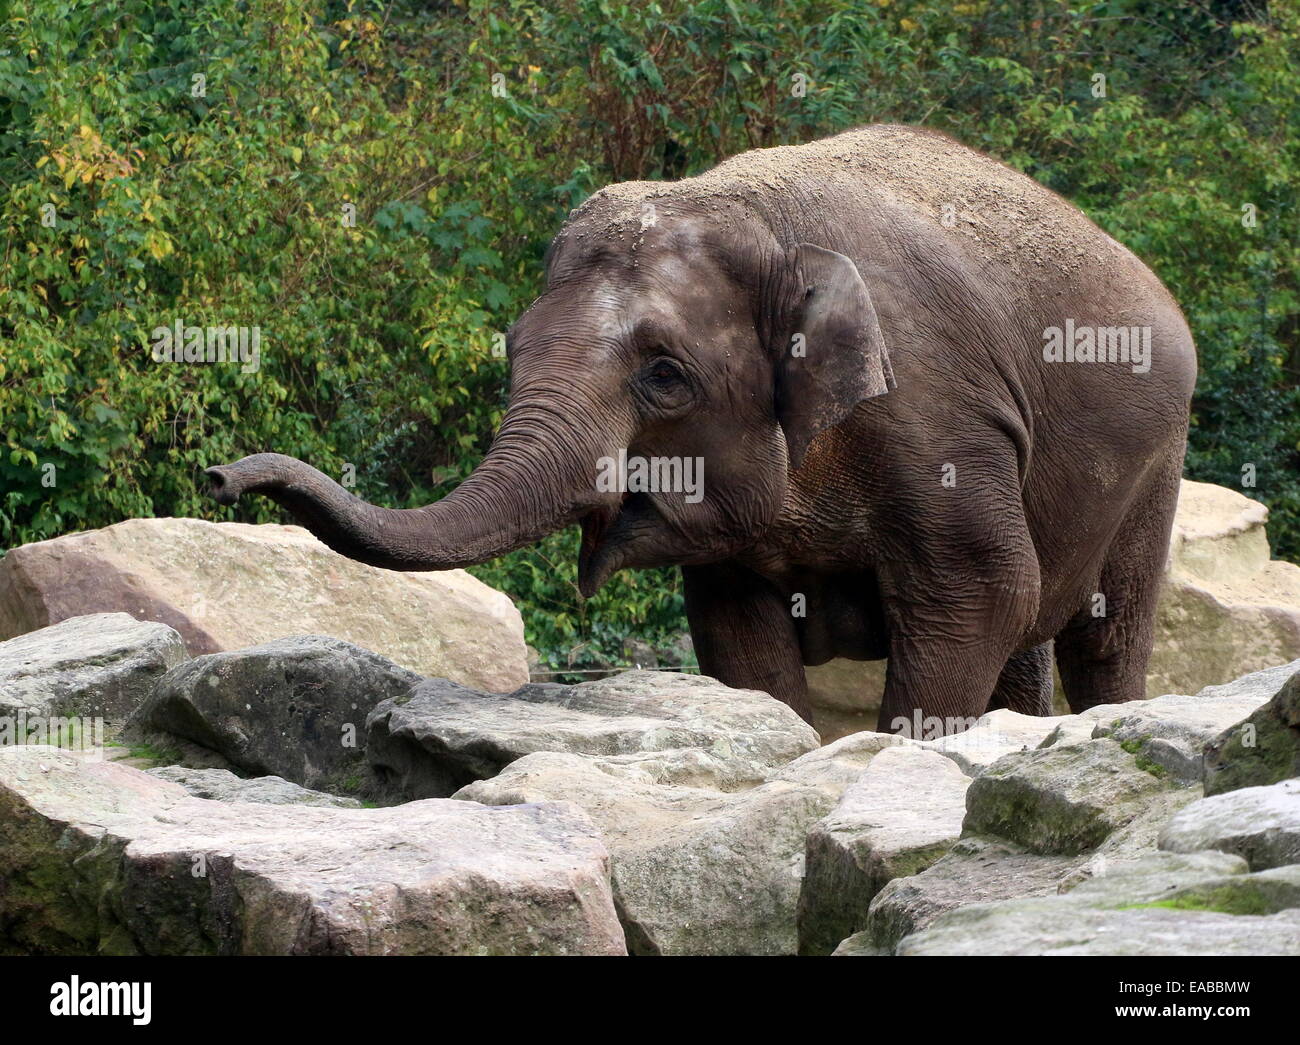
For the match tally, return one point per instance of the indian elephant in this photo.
(941, 417)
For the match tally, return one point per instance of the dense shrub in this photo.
(202, 161)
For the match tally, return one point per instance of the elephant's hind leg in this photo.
(1025, 684)
(1103, 650)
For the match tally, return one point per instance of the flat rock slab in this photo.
(679, 729)
(1261, 824)
(98, 665)
(1162, 905)
(97, 857)
(995, 734)
(227, 586)
(294, 708)
(221, 785)
(901, 815)
(1045, 929)
(697, 871)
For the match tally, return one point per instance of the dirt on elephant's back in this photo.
(997, 214)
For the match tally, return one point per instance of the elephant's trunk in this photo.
(516, 496)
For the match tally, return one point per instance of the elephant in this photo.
(940, 418)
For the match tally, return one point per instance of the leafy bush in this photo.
(345, 177)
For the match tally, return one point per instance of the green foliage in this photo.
(227, 205)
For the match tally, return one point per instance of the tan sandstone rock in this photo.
(226, 586)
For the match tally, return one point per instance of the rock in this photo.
(984, 871)
(98, 665)
(1200, 903)
(1264, 749)
(99, 858)
(1041, 927)
(1226, 609)
(978, 870)
(696, 871)
(223, 786)
(1063, 799)
(684, 729)
(995, 734)
(902, 814)
(1172, 731)
(837, 765)
(226, 586)
(1261, 824)
(294, 707)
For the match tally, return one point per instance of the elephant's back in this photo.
(997, 218)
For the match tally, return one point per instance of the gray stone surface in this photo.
(1161, 905)
(294, 708)
(1261, 824)
(678, 729)
(902, 814)
(977, 870)
(998, 733)
(99, 665)
(1065, 799)
(223, 786)
(695, 870)
(1173, 730)
(99, 858)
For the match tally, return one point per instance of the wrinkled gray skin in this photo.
(922, 276)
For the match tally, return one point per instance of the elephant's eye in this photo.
(664, 374)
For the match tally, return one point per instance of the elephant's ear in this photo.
(833, 355)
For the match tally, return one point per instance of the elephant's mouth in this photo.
(606, 531)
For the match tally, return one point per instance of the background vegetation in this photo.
(225, 205)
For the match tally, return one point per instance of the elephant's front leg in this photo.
(951, 634)
(744, 633)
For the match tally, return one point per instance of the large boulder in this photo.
(1262, 749)
(682, 729)
(901, 815)
(1063, 800)
(294, 708)
(697, 871)
(1226, 608)
(98, 665)
(225, 586)
(100, 858)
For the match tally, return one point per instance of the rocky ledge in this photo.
(308, 795)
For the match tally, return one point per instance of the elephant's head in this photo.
(664, 335)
